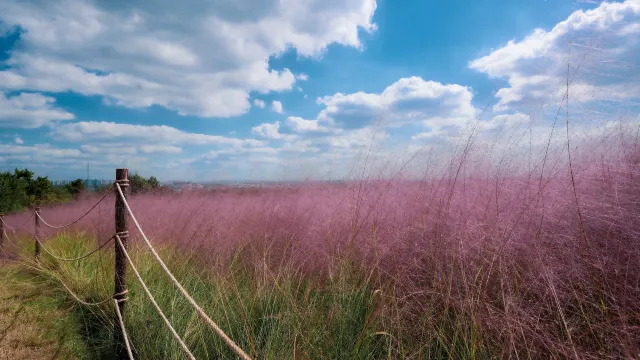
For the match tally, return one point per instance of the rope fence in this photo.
(184, 292)
(123, 210)
(78, 219)
(77, 258)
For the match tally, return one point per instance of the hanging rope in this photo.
(193, 303)
(78, 258)
(122, 328)
(153, 300)
(77, 298)
(6, 236)
(6, 225)
(81, 217)
(19, 227)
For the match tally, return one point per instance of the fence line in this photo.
(81, 217)
(122, 255)
(193, 303)
(153, 300)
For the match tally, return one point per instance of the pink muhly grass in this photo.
(493, 257)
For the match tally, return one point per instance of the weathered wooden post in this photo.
(122, 179)
(1, 231)
(37, 216)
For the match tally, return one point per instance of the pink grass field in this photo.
(515, 257)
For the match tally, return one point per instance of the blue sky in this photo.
(292, 89)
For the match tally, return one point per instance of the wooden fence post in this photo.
(37, 216)
(1, 231)
(122, 179)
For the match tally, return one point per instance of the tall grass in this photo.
(487, 256)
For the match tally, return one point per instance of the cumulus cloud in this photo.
(271, 132)
(18, 140)
(30, 110)
(300, 125)
(598, 45)
(276, 106)
(409, 100)
(199, 57)
(259, 103)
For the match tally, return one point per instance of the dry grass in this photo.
(32, 325)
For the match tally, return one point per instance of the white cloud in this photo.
(300, 125)
(444, 131)
(259, 103)
(357, 139)
(18, 140)
(302, 77)
(300, 147)
(160, 149)
(271, 132)
(350, 119)
(29, 110)
(201, 58)
(276, 106)
(156, 134)
(596, 44)
(39, 151)
(409, 100)
(48, 160)
(111, 150)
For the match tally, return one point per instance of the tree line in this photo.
(20, 189)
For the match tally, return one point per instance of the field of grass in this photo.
(505, 262)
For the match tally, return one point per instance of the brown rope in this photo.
(80, 218)
(78, 258)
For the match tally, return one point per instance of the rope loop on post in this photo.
(120, 297)
(123, 183)
(122, 234)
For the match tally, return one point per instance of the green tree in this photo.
(75, 187)
(154, 183)
(13, 192)
(40, 190)
(138, 183)
(19, 190)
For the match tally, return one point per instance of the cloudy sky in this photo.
(291, 89)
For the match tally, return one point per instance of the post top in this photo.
(122, 174)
